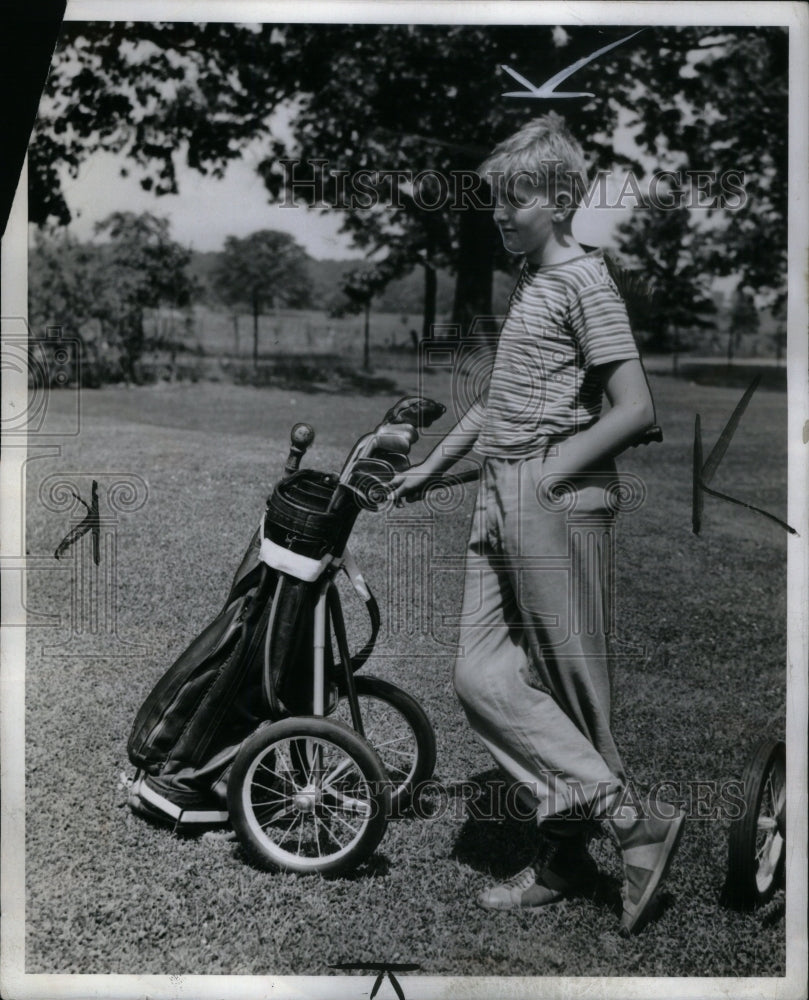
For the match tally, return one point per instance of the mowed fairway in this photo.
(701, 624)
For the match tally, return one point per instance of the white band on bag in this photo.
(301, 567)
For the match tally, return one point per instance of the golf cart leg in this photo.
(336, 611)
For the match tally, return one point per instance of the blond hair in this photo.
(543, 151)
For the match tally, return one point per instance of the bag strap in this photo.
(358, 582)
(267, 685)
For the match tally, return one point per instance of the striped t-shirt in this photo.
(563, 320)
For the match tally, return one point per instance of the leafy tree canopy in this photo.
(133, 266)
(417, 98)
(670, 252)
(266, 268)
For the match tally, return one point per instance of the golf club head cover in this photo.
(415, 410)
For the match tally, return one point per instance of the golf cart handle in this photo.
(651, 435)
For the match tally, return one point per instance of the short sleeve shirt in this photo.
(563, 321)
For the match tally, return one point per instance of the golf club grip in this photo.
(300, 437)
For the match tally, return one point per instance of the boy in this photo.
(533, 682)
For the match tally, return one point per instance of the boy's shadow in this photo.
(499, 837)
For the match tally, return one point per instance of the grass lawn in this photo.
(701, 629)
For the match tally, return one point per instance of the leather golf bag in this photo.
(253, 663)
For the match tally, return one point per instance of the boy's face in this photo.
(525, 217)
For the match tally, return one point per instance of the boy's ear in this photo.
(563, 208)
(562, 212)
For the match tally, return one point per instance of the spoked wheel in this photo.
(397, 728)
(757, 845)
(308, 794)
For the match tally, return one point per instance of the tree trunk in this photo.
(675, 353)
(132, 344)
(236, 334)
(366, 347)
(255, 331)
(472, 307)
(430, 295)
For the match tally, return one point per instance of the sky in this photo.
(205, 211)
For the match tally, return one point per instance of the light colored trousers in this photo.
(532, 671)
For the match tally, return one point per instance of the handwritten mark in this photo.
(547, 89)
(90, 523)
(703, 473)
(384, 969)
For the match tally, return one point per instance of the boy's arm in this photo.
(456, 443)
(631, 412)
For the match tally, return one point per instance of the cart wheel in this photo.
(756, 848)
(308, 795)
(397, 728)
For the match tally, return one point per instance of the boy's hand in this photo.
(411, 481)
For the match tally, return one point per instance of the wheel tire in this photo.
(756, 847)
(326, 820)
(398, 729)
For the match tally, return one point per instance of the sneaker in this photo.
(647, 847)
(566, 873)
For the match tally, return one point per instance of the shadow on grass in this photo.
(773, 377)
(493, 839)
(496, 841)
(326, 374)
(377, 866)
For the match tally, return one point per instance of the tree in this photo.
(401, 99)
(424, 98)
(743, 319)
(360, 285)
(669, 251)
(65, 280)
(719, 105)
(779, 335)
(135, 267)
(62, 282)
(266, 268)
(143, 268)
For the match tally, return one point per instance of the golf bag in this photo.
(254, 662)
